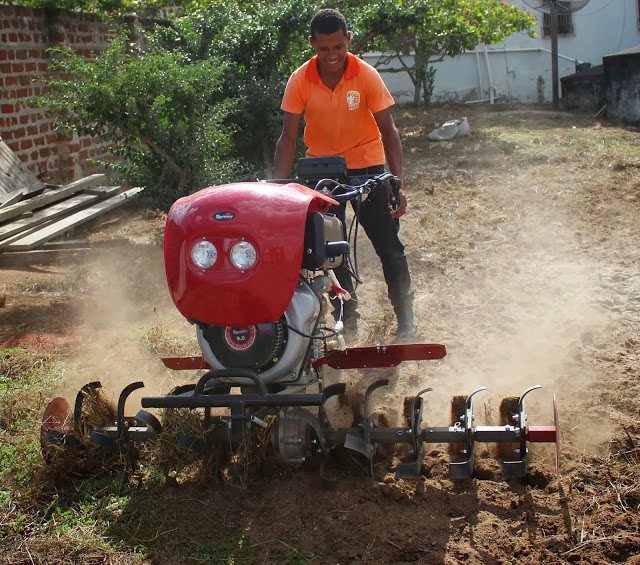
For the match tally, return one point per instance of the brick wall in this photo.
(25, 35)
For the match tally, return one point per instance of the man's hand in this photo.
(402, 205)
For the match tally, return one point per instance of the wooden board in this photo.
(13, 198)
(53, 212)
(15, 210)
(14, 175)
(38, 237)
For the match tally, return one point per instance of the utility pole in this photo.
(554, 55)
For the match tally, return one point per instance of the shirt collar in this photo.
(312, 74)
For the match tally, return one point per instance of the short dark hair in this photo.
(328, 21)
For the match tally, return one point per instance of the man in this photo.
(347, 112)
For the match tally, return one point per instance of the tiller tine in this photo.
(56, 428)
(514, 430)
(462, 436)
(463, 426)
(363, 444)
(126, 430)
(411, 469)
(116, 435)
(212, 391)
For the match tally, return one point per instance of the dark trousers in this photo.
(383, 232)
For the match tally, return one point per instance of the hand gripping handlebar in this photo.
(344, 192)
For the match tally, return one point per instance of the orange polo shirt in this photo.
(340, 121)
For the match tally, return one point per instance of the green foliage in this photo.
(261, 43)
(430, 30)
(162, 112)
(198, 106)
(97, 6)
(428, 84)
(25, 380)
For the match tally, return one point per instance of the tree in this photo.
(430, 30)
(163, 115)
(111, 7)
(261, 42)
(197, 105)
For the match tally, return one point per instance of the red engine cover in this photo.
(269, 216)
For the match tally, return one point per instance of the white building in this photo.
(519, 69)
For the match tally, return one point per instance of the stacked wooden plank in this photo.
(32, 221)
(15, 179)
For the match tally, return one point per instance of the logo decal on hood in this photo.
(224, 215)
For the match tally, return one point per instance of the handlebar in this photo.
(351, 191)
(353, 187)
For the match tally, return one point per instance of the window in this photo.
(565, 20)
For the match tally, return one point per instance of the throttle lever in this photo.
(394, 195)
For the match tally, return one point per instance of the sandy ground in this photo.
(523, 243)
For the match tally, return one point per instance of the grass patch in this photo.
(49, 513)
(565, 142)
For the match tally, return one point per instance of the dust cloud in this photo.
(128, 319)
(504, 285)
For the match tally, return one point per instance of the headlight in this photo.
(204, 254)
(243, 255)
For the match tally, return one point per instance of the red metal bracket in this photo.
(381, 355)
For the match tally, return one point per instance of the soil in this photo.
(524, 246)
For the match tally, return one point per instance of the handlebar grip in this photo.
(394, 195)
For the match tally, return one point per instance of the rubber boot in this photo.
(406, 320)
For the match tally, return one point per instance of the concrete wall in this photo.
(623, 73)
(585, 90)
(25, 35)
(520, 68)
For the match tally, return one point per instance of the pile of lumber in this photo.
(30, 221)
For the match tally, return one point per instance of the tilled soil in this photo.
(523, 243)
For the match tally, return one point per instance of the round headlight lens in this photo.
(243, 255)
(204, 254)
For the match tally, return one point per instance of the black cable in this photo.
(306, 335)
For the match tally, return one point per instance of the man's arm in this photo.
(286, 146)
(393, 152)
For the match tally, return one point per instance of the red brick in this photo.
(26, 144)
(17, 67)
(7, 108)
(10, 81)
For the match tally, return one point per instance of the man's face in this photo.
(331, 49)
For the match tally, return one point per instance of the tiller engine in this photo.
(251, 266)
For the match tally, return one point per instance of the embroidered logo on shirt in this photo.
(353, 99)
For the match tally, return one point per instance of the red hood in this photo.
(271, 217)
